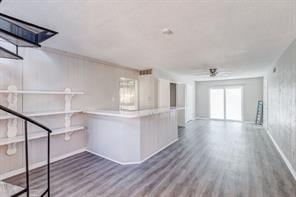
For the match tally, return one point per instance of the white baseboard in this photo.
(110, 159)
(172, 142)
(249, 122)
(287, 162)
(39, 164)
(201, 118)
(204, 118)
(134, 162)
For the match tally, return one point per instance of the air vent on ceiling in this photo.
(146, 72)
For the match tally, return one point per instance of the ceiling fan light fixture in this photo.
(167, 31)
(213, 72)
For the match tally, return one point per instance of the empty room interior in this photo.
(154, 98)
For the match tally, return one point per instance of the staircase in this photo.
(7, 190)
(21, 34)
(12, 190)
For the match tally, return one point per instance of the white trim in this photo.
(133, 162)
(201, 118)
(204, 118)
(113, 160)
(249, 122)
(172, 142)
(287, 162)
(40, 164)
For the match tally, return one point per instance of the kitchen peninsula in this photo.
(131, 137)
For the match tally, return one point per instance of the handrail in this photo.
(27, 119)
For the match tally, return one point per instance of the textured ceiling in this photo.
(243, 36)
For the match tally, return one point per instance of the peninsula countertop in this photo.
(133, 114)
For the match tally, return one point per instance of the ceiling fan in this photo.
(213, 72)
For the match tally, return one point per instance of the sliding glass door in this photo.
(226, 103)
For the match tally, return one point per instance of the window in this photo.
(226, 103)
(128, 94)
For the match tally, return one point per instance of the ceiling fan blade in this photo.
(223, 74)
(201, 72)
(202, 75)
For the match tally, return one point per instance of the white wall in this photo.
(190, 101)
(265, 102)
(281, 104)
(148, 95)
(149, 92)
(163, 93)
(155, 92)
(181, 95)
(181, 102)
(252, 92)
(47, 69)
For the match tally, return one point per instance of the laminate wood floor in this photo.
(211, 158)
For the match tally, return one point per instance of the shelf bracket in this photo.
(68, 102)
(68, 136)
(11, 149)
(68, 125)
(12, 123)
(68, 99)
(12, 97)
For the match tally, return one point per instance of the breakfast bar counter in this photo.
(131, 137)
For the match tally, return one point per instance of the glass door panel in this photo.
(233, 103)
(217, 103)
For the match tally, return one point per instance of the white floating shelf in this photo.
(37, 135)
(42, 114)
(39, 92)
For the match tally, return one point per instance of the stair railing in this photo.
(27, 119)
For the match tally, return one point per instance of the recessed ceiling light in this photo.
(167, 31)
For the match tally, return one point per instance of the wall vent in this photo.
(145, 72)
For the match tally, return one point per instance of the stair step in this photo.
(6, 189)
(32, 194)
